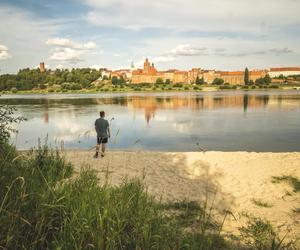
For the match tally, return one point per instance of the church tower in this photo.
(147, 66)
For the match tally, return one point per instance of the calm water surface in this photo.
(226, 121)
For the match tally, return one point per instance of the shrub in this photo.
(259, 234)
(186, 88)
(178, 85)
(227, 87)
(159, 81)
(274, 86)
(7, 119)
(14, 90)
(218, 81)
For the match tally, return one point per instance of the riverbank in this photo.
(252, 184)
(151, 89)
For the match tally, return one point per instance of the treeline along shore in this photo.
(86, 80)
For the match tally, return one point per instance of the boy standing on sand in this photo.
(103, 133)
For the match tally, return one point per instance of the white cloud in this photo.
(187, 50)
(69, 51)
(162, 59)
(215, 15)
(4, 52)
(65, 42)
(60, 66)
(96, 66)
(66, 55)
(24, 35)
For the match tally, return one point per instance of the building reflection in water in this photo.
(152, 103)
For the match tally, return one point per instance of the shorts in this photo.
(102, 140)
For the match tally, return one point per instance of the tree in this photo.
(267, 79)
(114, 80)
(168, 81)
(246, 77)
(7, 119)
(159, 81)
(121, 80)
(218, 81)
(199, 81)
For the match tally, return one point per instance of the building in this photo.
(210, 75)
(121, 73)
(237, 77)
(284, 71)
(149, 74)
(42, 67)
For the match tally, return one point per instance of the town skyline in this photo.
(172, 34)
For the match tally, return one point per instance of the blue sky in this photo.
(214, 34)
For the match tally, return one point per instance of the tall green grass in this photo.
(44, 206)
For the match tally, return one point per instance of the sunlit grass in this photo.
(293, 181)
(261, 203)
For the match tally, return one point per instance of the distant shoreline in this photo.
(117, 90)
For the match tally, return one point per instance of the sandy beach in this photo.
(235, 179)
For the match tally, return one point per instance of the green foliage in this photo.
(178, 85)
(28, 79)
(227, 87)
(43, 208)
(114, 80)
(7, 119)
(273, 86)
(261, 203)
(159, 81)
(291, 180)
(199, 81)
(259, 233)
(246, 77)
(263, 81)
(14, 90)
(218, 81)
(71, 86)
(137, 88)
(267, 79)
(168, 81)
(42, 86)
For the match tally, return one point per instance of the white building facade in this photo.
(286, 71)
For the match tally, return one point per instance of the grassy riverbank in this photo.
(148, 88)
(46, 203)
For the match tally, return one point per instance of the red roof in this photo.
(231, 73)
(286, 69)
